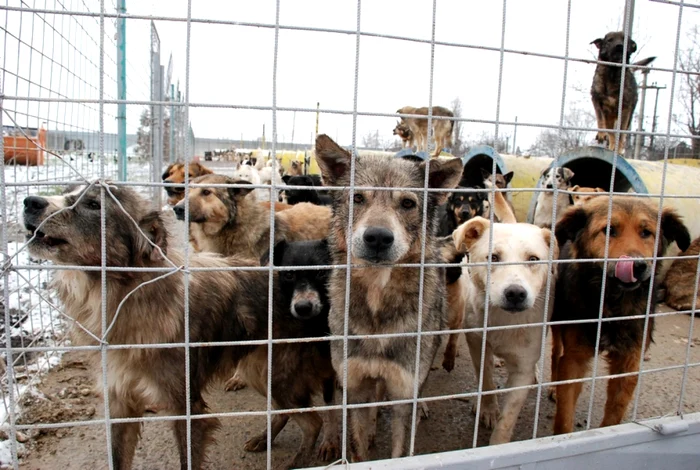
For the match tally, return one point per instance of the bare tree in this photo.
(690, 90)
(143, 135)
(554, 142)
(372, 140)
(459, 146)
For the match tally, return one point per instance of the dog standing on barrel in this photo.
(386, 230)
(605, 91)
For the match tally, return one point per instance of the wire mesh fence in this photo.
(352, 350)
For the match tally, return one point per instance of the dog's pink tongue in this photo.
(624, 269)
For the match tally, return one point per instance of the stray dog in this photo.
(144, 307)
(516, 295)
(248, 172)
(386, 230)
(295, 196)
(501, 182)
(300, 371)
(460, 207)
(442, 128)
(404, 133)
(559, 177)
(680, 279)
(579, 199)
(296, 168)
(605, 91)
(632, 233)
(175, 173)
(228, 221)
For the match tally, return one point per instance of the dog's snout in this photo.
(35, 204)
(464, 215)
(515, 297)
(304, 308)
(378, 238)
(619, 47)
(179, 212)
(548, 186)
(639, 269)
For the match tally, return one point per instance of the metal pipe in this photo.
(121, 89)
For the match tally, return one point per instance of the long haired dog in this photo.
(231, 222)
(442, 128)
(175, 173)
(560, 178)
(146, 308)
(517, 297)
(300, 371)
(581, 233)
(605, 90)
(386, 230)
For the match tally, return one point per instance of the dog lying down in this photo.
(517, 297)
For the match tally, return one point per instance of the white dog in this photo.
(516, 297)
(247, 172)
(559, 177)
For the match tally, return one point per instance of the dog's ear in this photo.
(280, 248)
(508, 176)
(166, 173)
(544, 171)
(333, 160)
(673, 229)
(469, 233)
(598, 42)
(575, 188)
(153, 227)
(599, 190)
(633, 47)
(547, 236)
(568, 174)
(571, 224)
(286, 178)
(444, 173)
(238, 193)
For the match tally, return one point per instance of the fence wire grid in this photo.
(60, 110)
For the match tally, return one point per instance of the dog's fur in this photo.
(223, 306)
(581, 233)
(248, 172)
(442, 128)
(680, 279)
(404, 133)
(581, 198)
(559, 177)
(229, 221)
(175, 173)
(386, 230)
(605, 90)
(296, 168)
(302, 371)
(295, 196)
(517, 297)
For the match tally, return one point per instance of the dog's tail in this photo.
(643, 63)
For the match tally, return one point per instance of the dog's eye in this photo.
(287, 275)
(408, 203)
(646, 233)
(358, 199)
(610, 231)
(206, 192)
(533, 258)
(495, 258)
(94, 205)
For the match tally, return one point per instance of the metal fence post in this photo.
(121, 88)
(155, 127)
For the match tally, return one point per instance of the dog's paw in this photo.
(647, 357)
(329, 450)
(448, 362)
(552, 393)
(498, 362)
(256, 443)
(234, 383)
(489, 415)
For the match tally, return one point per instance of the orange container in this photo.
(21, 150)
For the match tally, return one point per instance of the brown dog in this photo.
(680, 279)
(175, 173)
(404, 132)
(605, 91)
(581, 233)
(442, 128)
(583, 196)
(146, 307)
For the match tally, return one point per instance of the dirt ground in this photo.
(450, 426)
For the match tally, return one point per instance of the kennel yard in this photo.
(117, 90)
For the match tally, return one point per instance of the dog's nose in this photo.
(304, 308)
(515, 295)
(179, 212)
(464, 215)
(378, 238)
(639, 269)
(619, 48)
(33, 204)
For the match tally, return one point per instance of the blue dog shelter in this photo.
(478, 158)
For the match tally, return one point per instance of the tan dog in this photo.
(581, 198)
(404, 132)
(175, 173)
(442, 128)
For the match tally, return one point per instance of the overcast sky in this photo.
(232, 65)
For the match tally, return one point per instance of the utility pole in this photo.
(639, 137)
(318, 107)
(656, 88)
(121, 89)
(515, 133)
